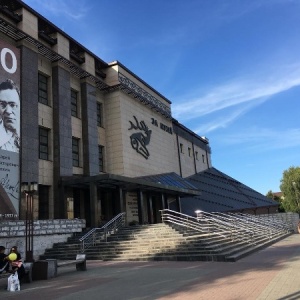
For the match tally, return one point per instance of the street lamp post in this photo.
(29, 189)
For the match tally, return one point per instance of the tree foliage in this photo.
(271, 195)
(290, 187)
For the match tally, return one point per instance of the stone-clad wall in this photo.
(46, 233)
(290, 218)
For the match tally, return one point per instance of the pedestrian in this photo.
(17, 264)
(4, 265)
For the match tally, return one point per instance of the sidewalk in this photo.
(272, 274)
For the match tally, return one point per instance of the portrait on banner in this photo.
(10, 115)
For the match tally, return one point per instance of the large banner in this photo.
(9, 130)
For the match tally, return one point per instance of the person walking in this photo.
(4, 265)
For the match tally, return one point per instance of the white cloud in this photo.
(227, 118)
(71, 9)
(263, 139)
(252, 89)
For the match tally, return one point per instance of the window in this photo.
(181, 148)
(43, 143)
(101, 158)
(196, 155)
(43, 89)
(75, 152)
(203, 158)
(74, 103)
(99, 114)
(189, 150)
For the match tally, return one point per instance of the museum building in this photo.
(96, 138)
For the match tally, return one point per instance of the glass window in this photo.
(74, 103)
(43, 143)
(181, 148)
(99, 114)
(75, 152)
(101, 158)
(43, 89)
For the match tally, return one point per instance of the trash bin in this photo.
(44, 269)
(52, 268)
(40, 270)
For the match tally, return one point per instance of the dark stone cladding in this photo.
(89, 130)
(29, 119)
(62, 133)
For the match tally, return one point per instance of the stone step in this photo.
(245, 252)
(160, 242)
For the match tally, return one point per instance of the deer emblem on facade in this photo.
(139, 140)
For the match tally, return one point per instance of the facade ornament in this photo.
(139, 140)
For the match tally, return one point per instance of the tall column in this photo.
(163, 202)
(94, 212)
(150, 209)
(178, 203)
(89, 130)
(29, 122)
(140, 206)
(121, 199)
(62, 135)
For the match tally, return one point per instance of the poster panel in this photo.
(132, 211)
(9, 130)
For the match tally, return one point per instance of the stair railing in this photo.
(270, 224)
(97, 235)
(237, 226)
(206, 224)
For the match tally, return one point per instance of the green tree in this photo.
(290, 187)
(271, 195)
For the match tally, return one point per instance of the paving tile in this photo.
(270, 274)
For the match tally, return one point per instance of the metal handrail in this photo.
(237, 226)
(206, 225)
(96, 235)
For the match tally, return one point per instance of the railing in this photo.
(241, 227)
(207, 224)
(97, 235)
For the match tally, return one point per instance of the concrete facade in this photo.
(117, 126)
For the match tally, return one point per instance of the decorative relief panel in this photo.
(139, 140)
(132, 88)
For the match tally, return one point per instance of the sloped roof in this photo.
(170, 179)
(220, 193)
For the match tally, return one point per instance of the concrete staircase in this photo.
(165, 242)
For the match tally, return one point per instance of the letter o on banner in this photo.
(13, 68)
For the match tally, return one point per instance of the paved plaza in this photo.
(272, 273)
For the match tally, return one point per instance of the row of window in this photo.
(190, 153)
(43, 98)
(44, 149)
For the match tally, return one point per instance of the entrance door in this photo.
(155, 205)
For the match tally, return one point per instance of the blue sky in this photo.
(230, 67)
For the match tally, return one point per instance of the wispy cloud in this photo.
(261, 139)
(71, 9)
(239, 93)
(227, 118)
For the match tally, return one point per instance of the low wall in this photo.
(45, 234)
(292, 219)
